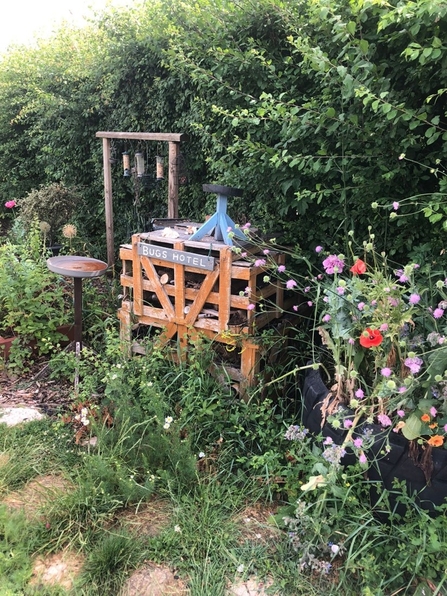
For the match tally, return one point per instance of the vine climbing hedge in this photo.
(331, 113)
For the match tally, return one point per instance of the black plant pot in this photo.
(397, 463)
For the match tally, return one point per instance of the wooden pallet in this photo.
(190, 288)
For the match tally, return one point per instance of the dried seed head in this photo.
(69, 231)
(44, 227)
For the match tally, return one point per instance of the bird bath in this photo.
(78, 268)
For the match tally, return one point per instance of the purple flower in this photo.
(351, 341)
(340, 290)
(281, 268)
(414, 364)
(359, 393)
(402, 389)
(395, 205)
(393, 302)
(310, 303)
(414, 298)
(358, 442)
(386, 372)
(251, 307)
(383, 327)
(347, 423)
(333, 264)
(384, 420)
(306, 289)
(291, 283)
(326, 318)
(361, 305)
(318, 249)
(295, 307)
(433, 411)
(362, 458)
(437, 313)
(328, 441)
(400, 413)
(260, 262)
(246, 225)
(445, 428)
(266, 251)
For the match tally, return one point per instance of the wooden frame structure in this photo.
(173, 140)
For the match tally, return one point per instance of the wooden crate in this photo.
(190, 288)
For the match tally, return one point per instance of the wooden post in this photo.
(108, 202)
(174, 151)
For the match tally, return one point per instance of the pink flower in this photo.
(362, 458)
(361, 305)
(333, 264)
(243, 255)
(310, 303)
(445, 428)
(400, 413)
(358, 442)
(229, 229)
(340, 290)
(266, 251)
(414, 299)
(291, 283)
(414, 364)
(10, 204)
(306, 289)
(326, 318)
(260, 262)
(402, 390)
(386, 372)
(328, 441)
(251, 307)
(437, 313)
(247, 225)
(433, 411)
(281, 268)
(347, 423)
(359, 393)
(395, 205)
(295, 307)
(318, 249)
(384, 420)
(384, 327)
(351, 341)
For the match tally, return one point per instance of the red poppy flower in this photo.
(359, 267)
(371, 338)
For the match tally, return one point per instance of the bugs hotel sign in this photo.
(176, 256)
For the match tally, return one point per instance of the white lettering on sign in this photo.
(176, 256)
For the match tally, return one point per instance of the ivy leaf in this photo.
(412, 428)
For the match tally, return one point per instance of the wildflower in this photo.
(401, 156)
(359, 393)
(291, 283)
(395, 205)
(281, 268)
(169, 419)
(362, 458)
(166, 426)
(246, 225)
(383, 327)
(414, 364)
(436, 441)
(318, 249)
(333, 264)
(414, 298)
(326, 318)
(201, 455)
(177, 529)
(44, 227)
(295, 307)
(240, 568)
(437, 313)
(310, 303)
(425, 418)
(400, 413)
(340, 290)
(386, 372)
(351, 341)
(433, 411)
(384, 420)
(295, 433)
(359, 267)
(266, 251)
(251, 307)
(358, 442)
(334, 549)
(260, 262)
(361, 305)
(334, 454)
(10, 204)
(306, 289)
(371, 338)
(347, 423)
(329, 441)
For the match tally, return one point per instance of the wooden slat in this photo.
(137, 277)
(144, 136)
(224, 288)
(207, 285)
(158, 288)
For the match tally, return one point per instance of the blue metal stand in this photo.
(220, 222)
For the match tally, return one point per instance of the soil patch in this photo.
(148, 519)
(154, 580)
(257, 524)
(59, 569)
(33, 496)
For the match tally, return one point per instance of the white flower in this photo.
(335, 549)
(240, 568)
(201, 454)
(166, 425)
(177, 529)
(168, 419)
